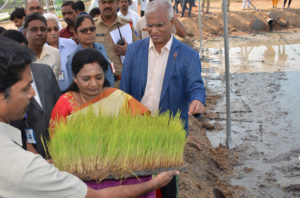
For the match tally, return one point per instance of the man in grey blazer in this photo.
(40, 108)
(36, 122)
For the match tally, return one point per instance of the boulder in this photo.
(258, 25)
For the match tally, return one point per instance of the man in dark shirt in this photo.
(69, 12)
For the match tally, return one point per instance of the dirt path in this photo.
(239, 20)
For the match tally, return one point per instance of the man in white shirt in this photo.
(25, 174)
(143, 7)
(163, 73)
(134, 5)
(35, 31)
(127, 13)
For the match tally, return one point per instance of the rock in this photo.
(272, 15)
(258, 25)
(282, 22)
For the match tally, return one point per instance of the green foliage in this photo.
(94, 147)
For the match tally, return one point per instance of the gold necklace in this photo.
(82, 98)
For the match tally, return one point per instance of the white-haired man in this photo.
(64, 45)
(163, 73)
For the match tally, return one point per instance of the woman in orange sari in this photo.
(90, 88)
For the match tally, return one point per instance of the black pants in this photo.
(170, 190)
(142, 13)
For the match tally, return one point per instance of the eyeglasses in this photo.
(157, 25)
(55, 29)
(85, 30)
(36, 29)
(35, 8)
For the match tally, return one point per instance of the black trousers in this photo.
(170, 190)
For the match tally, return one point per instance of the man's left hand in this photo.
(196, 107)
(121, 49)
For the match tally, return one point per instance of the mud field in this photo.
(264, 160)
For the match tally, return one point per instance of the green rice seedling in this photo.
(93, 146)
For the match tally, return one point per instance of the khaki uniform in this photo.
(103, 36)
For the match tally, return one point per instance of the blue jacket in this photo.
(182, 81)
(98, 46)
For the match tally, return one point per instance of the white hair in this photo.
(156, 5)
(51, 16)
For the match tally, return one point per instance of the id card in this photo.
(61, 76)
(30, 136)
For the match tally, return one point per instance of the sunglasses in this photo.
(85, 30)
(55, 29)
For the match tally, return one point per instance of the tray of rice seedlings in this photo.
(94, 146)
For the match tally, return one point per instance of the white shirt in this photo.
(157, 63)
(28, 175)
(134, 6)
(37, 95)
(143, 5)
(131, 15)
(66, 48)
(50, 56)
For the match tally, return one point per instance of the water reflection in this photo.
(261, 58)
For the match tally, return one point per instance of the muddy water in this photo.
(265, 110)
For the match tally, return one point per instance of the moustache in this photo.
(108, 9)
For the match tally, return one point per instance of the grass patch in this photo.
(96, 146)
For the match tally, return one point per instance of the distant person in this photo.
(127, 13)
(80, 7)
(274, 2)
(64, 45)
(134, 6)
(69, 12)
(143, 7)
(95, 12)
(176, 5)
(94, 4)
(18, 16)
(32, 6)
(207, 6)
(290, 1)
(190, 2)
(35, 31)
(246, 2)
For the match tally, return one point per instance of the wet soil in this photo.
(264, 157)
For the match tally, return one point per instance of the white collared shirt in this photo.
(131, 15)
(157, 63)
(37, 95)
(50, 56)
(25, 174)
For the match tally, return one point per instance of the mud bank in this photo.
(265, 103)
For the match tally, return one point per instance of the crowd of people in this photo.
(48, 72)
